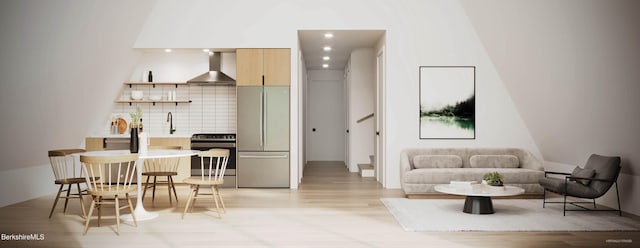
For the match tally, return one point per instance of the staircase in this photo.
(367, 170)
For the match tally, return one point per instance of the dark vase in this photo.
(133, 143)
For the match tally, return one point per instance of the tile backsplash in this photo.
(212, 110)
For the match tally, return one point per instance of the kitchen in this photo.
(182, 106)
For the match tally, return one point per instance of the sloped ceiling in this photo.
(573, 71)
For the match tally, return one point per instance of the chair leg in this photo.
(55, 202)
(215, 199)
(86, 225)
(117, 215)
(173, 186)
(84, 212)
(564, 206)
(618, 196)
(133, 214)
(195, 197)
(153, 194)
(169, 189)
(544, 197)
(186, 207)
(66, 199)
(146, 186)
(594, 203)
(224, 209)
(99, 206)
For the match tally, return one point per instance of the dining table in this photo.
(140, 213)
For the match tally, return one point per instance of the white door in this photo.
(326, 121)
(379, 138)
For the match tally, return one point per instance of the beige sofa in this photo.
(423, 168)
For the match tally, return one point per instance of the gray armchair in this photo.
(597, 177)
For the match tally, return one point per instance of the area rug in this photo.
(510, 215)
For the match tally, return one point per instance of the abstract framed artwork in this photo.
(447, 102)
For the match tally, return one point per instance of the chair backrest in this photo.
(606, 168)
(115, 173)
(64, 165)
(213, 164)
(162, 164)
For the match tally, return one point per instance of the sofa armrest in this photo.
(555, 173)
(531, 162)
(405, 166)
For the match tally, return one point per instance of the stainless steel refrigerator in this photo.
(263, 136)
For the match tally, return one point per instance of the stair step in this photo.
(366, 170)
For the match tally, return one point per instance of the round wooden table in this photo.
(141, 213)
(478, 196)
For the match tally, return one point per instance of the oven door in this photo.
(230, 172)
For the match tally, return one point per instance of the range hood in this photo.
(214, 76)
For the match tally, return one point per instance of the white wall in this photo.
(326, 111)
(572, 69)
(361, 83)
(62, 65)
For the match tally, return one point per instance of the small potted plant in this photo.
(493, 178)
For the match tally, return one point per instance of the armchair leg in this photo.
(564, 206)
(544, 198)
(618, 196)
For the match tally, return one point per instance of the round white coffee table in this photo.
(478, 196)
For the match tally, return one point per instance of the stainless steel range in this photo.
(206, 141)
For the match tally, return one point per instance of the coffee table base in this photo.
(478, 205)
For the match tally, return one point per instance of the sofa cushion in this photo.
(586, 173)
(446, 175)
(437, 161)
(494, 161)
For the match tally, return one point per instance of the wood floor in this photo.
(332, 208)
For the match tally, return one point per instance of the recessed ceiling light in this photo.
(206, 50)
(325, 65)
(327, 48)
(328, 35)
(167, 50)
(326, 58)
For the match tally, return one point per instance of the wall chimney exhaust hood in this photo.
(214, 77)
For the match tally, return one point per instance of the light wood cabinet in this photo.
(249, 66)
(268, 66)
(94, 144)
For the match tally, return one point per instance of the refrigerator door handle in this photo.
(261, 120)
(266, 108)
(263, 156)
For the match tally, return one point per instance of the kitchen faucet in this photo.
(170, 120)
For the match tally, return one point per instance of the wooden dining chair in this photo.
(67, 173)
(213, 164)
(116, 174)
(161, 167)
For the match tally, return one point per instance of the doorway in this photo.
(361, 94)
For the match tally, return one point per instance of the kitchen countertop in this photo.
(152, 135)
